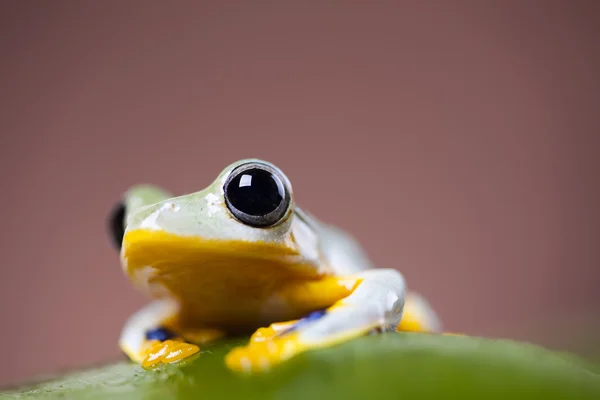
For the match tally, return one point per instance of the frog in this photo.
(240, 257)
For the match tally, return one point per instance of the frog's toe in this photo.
(167, 352)
(271, 331)
(262, 334)
(261, 355)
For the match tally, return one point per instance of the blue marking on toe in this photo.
(160, 334)
(313, 316)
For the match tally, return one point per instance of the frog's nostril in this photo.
(116, 224)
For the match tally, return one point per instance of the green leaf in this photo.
(390, 366)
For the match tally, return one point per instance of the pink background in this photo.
(459, 141)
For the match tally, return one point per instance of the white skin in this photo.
(376, 304)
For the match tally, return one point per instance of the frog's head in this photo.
(242, 228)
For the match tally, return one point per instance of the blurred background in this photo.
(459, 141)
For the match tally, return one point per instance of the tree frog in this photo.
(239, 257)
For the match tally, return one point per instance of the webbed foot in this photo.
(153, 335)
(167, 352)
(260, 355)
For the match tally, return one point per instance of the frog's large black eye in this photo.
(257, 194)
(116, 224)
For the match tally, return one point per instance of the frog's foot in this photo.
(418, 316)
(263, 334)
(148, 340)
(375, 304)
(269, 346)
(167, 352)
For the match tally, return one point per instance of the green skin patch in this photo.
(388, 366)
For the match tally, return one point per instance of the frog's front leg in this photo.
(149, 339)
(376, 304)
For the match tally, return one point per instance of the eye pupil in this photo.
(256, 196)
(255, 192)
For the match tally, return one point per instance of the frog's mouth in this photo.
(223, 281)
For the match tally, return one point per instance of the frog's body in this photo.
(240, 255)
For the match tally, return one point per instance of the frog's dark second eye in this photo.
(256, 195)
(116, 224)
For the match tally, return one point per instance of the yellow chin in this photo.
(236, 285)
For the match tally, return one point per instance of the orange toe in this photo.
(168, 352)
